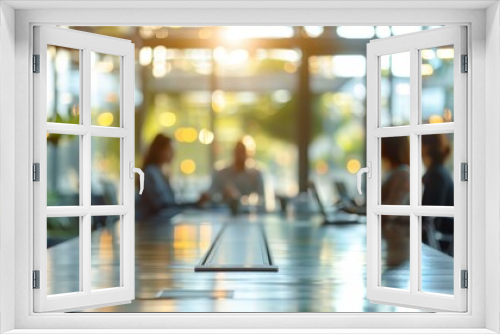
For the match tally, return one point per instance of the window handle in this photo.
(361, 171)
(141, 175)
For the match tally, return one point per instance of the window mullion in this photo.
(431, 129)
(414, 170)
(67, 129)
(85, 167)
(392, 210)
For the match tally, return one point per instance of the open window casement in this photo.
(83, 169)
(416, 88)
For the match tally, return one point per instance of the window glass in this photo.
(437, 170)
(395, 89)
(105, 252)
(395, 176)
(437, 84)
(63, 255)
(63, 169)
(105, 89)
(437, 254)
(395, 252)
(63, 85)
(105, 174)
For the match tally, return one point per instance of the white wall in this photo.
(7, 160)
(477, 125)
(492, 160)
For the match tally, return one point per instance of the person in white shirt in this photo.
(238, 180)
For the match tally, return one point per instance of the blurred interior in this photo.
(297, 97)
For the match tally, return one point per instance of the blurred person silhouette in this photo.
(396, 162)
(438, 184)
(438, 188)
(396, 191)
(237, 181)
(158, 197)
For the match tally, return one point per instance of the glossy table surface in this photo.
(321, 268)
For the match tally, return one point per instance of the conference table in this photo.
(315, 268)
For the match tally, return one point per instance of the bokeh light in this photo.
(353, 166)
(218, 101)
(188, 166)
(167, 119)
(445, 53)
(206, 136)
(250, 144)
(321, 167)
(186, 134)
(435, 119)
(427, 69)
(105, 119)
(145, 56)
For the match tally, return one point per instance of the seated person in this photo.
(437, 181)
(158, 197)
(438, 189)
(395, 230)
(230, 184)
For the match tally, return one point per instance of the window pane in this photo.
(395, 89)
(105, 89)
(437, 178)
(63, 166)
(395, 175)
(105, 258)
(63, 255)
(63, 85)
(105, 175)
(437, 268)
(437, 84)
(395, 254)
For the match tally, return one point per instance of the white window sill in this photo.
(249, 331)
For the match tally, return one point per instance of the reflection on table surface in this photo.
(321, 268)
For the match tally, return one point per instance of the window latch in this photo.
(368, 171)
(133, 170)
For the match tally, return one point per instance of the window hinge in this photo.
(36, 63)
(465, 64)
(464, 172)
(36, 172)
(464, 279)
(36, 279)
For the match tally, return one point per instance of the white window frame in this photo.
(412, 44)
(484, 47)
(124, 50)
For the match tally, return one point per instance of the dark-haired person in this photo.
(438, 186)
(395, 155)
(396, 158)
(158, 197)
(230, 184)
(438, 183)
